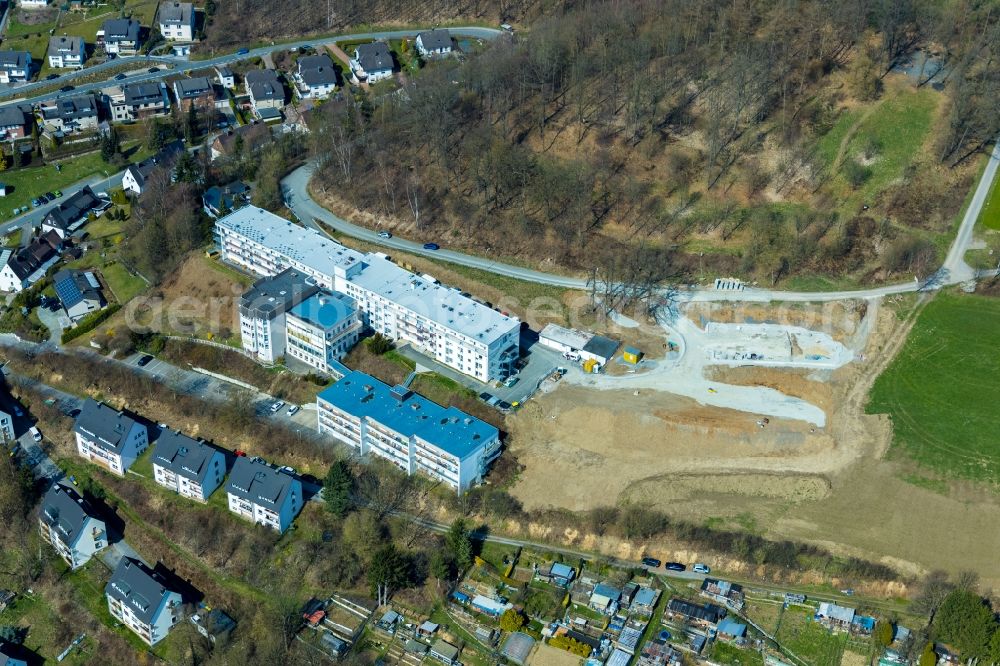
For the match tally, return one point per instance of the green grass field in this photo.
(726, 653)
(989, 217)
(939, 390)
(808, 640)
(30, 182)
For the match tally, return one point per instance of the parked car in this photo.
(153, 70)
(51, 196)
(504, 406)
(384, 234)
(287, 470)
(120, 77)
(243, 52)
(58, 193)
(36, 202)
(67, 88)
(511, 381)
(701, 568)
(293, 409)
(51, 77)
(35, 433)
(144, 361)
(485, 397)
(651, 562)
(675, 566)
(276, 407)
(431, 246)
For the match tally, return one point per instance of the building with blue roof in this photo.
(321, 329)
(410, 431)
(730, 628)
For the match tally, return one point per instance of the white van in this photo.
(35, 434)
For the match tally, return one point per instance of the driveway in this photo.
(55, 322)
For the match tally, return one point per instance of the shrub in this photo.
(89, 323)
(570, 645)
(856, 173)
(378, 344)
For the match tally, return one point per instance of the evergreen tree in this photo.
(458, 541)
(337, 488)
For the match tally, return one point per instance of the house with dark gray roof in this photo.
(19, 269)
(70, 114)
(246, 139)
(15, 122)
(316, 76)
(434, 42)
(142, 600)
(189, 467)
(262, 311)
(136, 175)
(71, 214)
(372, 62)
(79, 292)
(177, 21)
(108, 437)
(225, 76)
(260, 493)
(707, 615)
(71, 526)
(137, 101)
(220, 199)
(267, 94)
(198, 92)
(66, 51)
(15, 66)
(120, 36)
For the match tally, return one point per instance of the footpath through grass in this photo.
(940, 390)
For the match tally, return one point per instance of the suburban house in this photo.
(220, 200)
(137, 175)
(226, 78)
(558, 574)
(264, 495)
(834, 616)
(15, 66)
(730, 629)
(317, 76)
(707, 615)
(320, 330)
(15, 123)
(71, 526)
(198, 92)
(23, 268)
(70, 114)
(137, 101)
(71, 213)
(6, 428)
(177, 21)
(247, 138)
(79, 293)
(372, 62)
(267, 94)
(263, 308)
(604, 598)
(189, 467)
(141, 599)
(444, 652)
(108, 437)
(120, 36)
(412, 432)
(645, 601)
(723, 592)
(433, 42)
(67, 51)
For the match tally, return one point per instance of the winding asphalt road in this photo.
(295, 187)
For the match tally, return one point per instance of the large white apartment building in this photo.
(109, 437)
(264, 495)
(67, 521)
(320, 330)
(415, 434)
(187, 466)
(263, 310)
(437, 320)
(139, 597)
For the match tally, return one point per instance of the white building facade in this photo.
(139, 598)
(108, 437)
(263, 495)
(322, 329)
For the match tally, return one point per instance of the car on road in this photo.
(701, 568)
(43, 198)
(144, 361)
(36, 435)
(58, 193)
(51, 77)
(674, 566)
(51, 196)
(36, 202)
(67, 88)
(431, 246)
(287, 470)
(292, 409)
(485, 397)
(153, 70)
(384, 234)
(511, 381)
(651, 562)
(120, 77)
(243, 52)
(276, 407)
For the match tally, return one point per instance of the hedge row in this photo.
(90, 322)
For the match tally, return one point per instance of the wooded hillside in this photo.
(771, 141)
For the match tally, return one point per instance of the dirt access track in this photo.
(583, 448)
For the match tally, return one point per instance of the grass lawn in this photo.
(939, 389)
(123, 284)
(765, 613)
(28, 183)
(40, 618)
(989, 217)
(726, 653)
(829, 144)
(808, 640)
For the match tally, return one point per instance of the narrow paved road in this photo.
(295, 187)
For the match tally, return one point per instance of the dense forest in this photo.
(646, 140)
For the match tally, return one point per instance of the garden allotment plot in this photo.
(941, 390)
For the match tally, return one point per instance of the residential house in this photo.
(198, 92)
(658, 652)
(263, 308)
(71, 213)
(242, 140)
(558, 574)
(834, 616)
(488, 606)
(137, 101)
(70, 114)
(226, 78)
(731, 629)
(221, 200)
(67, 51)
(629, 591)
(723, 592)
(629, 637)
(317, 76)
(15, 66)
(140, 598)
(434, 42)
(264, 495)
(108, 437)
(177, 21)
(705, 615)
(15, 123)
(320, 330)
(120, 36)
(604, 598)
(6, 432)
(444, 652)
(267, 94)
(412, 432)
(645, 601)
(137, 175)
(189, 467)
(71, 526)
(372, 62)
(23, 268)
(79, 292)
(7, 651)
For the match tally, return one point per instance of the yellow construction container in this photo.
(589, 365)
(631, 355)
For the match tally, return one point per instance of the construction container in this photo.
(631, 355)
(591, 365)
